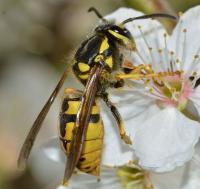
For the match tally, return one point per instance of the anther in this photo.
(150, 48)
(196, 56)
(165, 35)
(184, 30)
(194, 74)
(180, 14)
(177, 61)
(160, 51)
(151, 90)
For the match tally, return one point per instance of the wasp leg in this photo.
(117, 84)
(118, 118)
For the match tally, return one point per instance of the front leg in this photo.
(117, 117)
(117, 84)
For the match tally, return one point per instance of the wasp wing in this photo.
(27, 146)
(82, 120)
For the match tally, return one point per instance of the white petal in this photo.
(130, 103)
(169, 180)
(108, 180)
(134, 109)
(53, 151)
(186, 45)
(147, 34)
(166, 140)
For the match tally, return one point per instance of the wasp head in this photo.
(118, 34)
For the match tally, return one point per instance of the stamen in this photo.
(177, 61)
(145, 41)
(194, 63)
(178, 38)
(153, 94)
(166, 51)
(157, 42)
(184, 46)
(172, 61)
(160, 51)
(142, 49)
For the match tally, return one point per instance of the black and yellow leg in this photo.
(140, 72)
(118, 118)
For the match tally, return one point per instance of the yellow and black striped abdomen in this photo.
(90, 159)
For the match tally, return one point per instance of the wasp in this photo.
(96, 62)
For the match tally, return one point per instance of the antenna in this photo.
(93, 9)
(155, 15)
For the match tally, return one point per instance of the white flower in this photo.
(161, 113)
(134, 177)
(119, 177)
(112, 178)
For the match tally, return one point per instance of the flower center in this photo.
(171, 89)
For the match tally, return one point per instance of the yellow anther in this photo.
(160, 51)
(180, 14)
(150, 48)
(194, 74)
(177, 61)
(196, 56)
(184, 30)
(146, 82)
(151, 90)
(139, 26)
(172, 52)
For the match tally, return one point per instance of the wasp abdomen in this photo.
(90, 159)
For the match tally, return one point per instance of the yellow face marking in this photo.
(83, 67)
(109, 61)
(84, 76)
(117, 35)
(104, 45)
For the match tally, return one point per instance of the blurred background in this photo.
(37, 41)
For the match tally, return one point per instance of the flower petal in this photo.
(130, 103)
(53, 151)
(108, 180)
(148, 35)
(185, 40)
(166, 140)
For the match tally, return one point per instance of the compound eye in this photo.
(126, 31)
